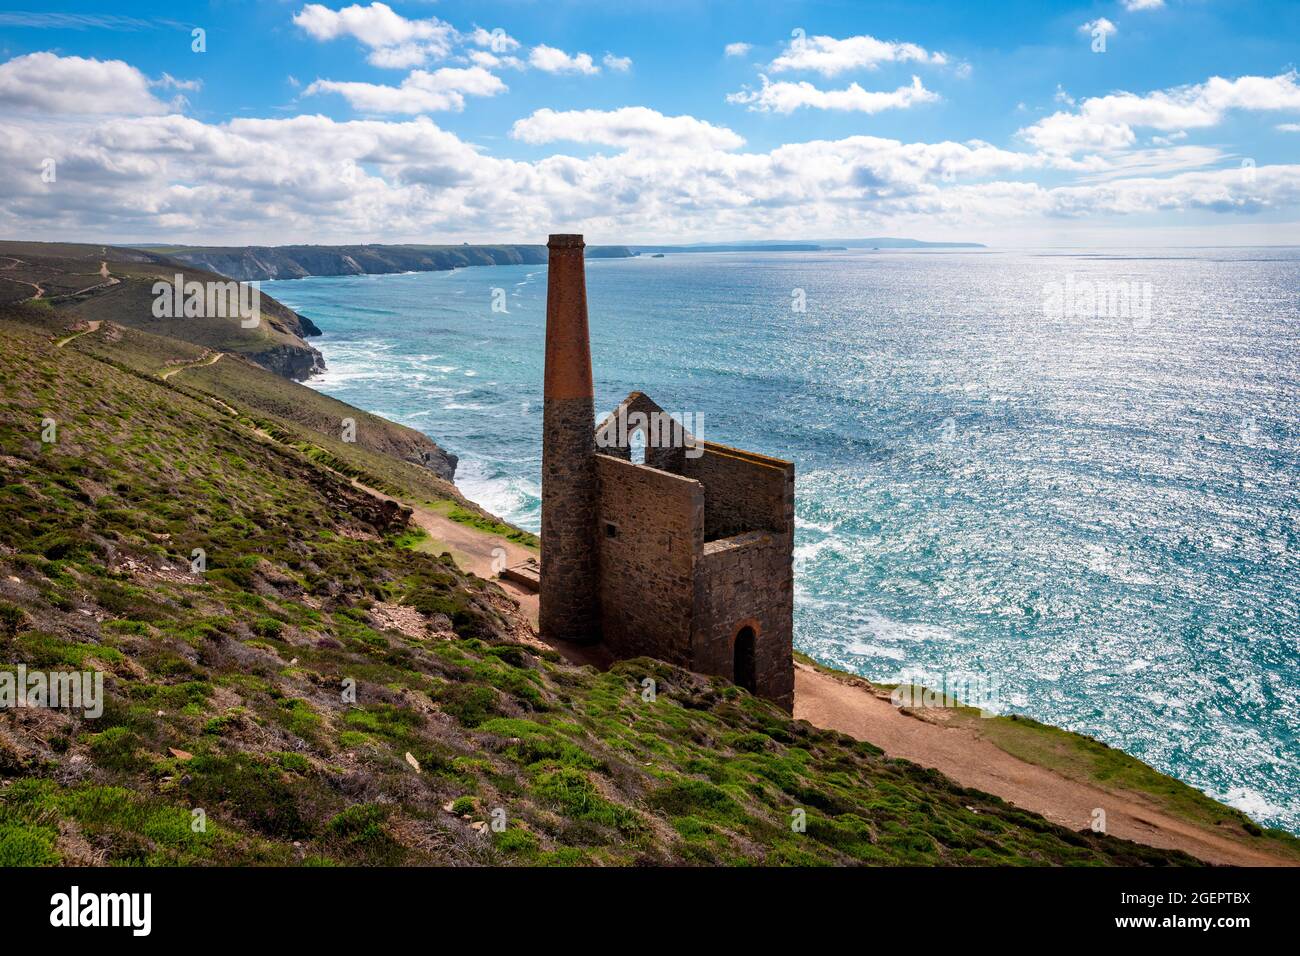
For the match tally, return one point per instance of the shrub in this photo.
(12, 619)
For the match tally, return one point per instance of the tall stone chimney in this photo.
(569, 589)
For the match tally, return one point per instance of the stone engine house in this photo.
(687, 557)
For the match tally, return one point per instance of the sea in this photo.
(1063, 480)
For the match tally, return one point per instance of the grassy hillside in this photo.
(77, 285)
(286, 408)
(226, 689)
(87, 283)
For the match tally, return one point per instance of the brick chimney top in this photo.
(568, 353)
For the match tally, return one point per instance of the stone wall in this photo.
(615, 430)
(742, 491)
(747, 580)
(649, 533)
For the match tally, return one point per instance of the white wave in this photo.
(1252, 803)
(871, 650)
(516, 500)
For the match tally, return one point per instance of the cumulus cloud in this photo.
(312, 178)
(394, 41)
(490, 61)
(830, 56)
(1108, 122)
(549, 59)
(50, 83)
(169, 82)
(737, 49)
(420, 92)
(784, 97)
(632, 127)
(398, 42)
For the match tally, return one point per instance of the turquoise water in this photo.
(1095, 515)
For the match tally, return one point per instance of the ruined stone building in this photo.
(686, 557)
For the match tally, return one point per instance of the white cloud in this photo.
(1132, 5)
(420, 92)
(830, 56)
(1100, 27)
(552, 60)
(632, 127)
(619, 64)
(169, 82)
(784, 97)
(50, 83)
(394, 41)
(1107, 122)
(737, 49)
(490, 61)
(312, 178)
(1289, 127)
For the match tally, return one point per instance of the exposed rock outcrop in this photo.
(298, 362)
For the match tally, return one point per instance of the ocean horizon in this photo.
(1065, 477)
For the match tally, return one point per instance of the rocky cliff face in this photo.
(437, 459)
(297, 362)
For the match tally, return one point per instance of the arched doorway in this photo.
(743, 669)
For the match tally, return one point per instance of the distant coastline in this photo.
(264, 263)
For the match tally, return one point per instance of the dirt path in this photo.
(973, 761)
(201, 363)
(103, 274)
(478, 552)
(91, 326)
(14, 264)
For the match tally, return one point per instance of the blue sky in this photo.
(639, 121)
